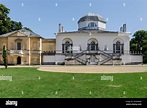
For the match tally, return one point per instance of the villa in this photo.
(91, 44)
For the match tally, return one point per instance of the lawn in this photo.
(31, 83)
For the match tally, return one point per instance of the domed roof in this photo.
(92, 17)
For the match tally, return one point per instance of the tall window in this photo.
(67, 47)
(18, 46)
(118, 47)
(92, 46)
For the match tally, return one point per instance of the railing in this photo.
(16, 52)
(136, 52)
(49, 52)
(22, 52)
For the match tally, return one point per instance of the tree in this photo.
(133, 44)
(5, 56)
(27, 29)
(15, 26)
(6, 24)
(139, 42)
(145, 49)
(138, 38)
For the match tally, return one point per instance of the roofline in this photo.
(98, 20)
(10, 33)
(88, 32)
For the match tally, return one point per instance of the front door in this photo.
(18, 60)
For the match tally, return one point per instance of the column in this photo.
(40, 48)
(29, 52)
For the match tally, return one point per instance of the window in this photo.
(118, 47)
(18, 46)
(93, 46)
(92, 24)
(67, 47)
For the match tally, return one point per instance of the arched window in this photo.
(118, 47)
(93, 48)
(67, 46)
(92, 44)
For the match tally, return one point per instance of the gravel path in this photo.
(95, 69)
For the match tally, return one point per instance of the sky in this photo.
(44, 16)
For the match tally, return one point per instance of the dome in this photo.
(92, 21)
(92, 17)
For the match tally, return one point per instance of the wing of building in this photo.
(25, 47)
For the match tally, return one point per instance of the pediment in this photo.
(17, 34)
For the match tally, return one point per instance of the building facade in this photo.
(93, 44)
(25, 47)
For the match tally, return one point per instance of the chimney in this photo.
(124, 28)
(60, 28)
(121, 29)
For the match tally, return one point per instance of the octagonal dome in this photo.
(92, 17)
(92, 21)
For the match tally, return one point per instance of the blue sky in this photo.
(43, 16)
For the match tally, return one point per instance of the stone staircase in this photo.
(78, 57)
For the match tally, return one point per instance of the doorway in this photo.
(18, 60)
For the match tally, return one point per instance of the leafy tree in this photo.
(138, 38)
(27, 29)
(139, 42)
(133, 44)
(5, 56)
(145, 49)
(4, 19)
(6, 24)
(15, 26)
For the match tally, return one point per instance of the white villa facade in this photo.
(92, 44)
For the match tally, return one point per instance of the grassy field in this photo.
(31, 83)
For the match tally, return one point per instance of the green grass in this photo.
(27, 80)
